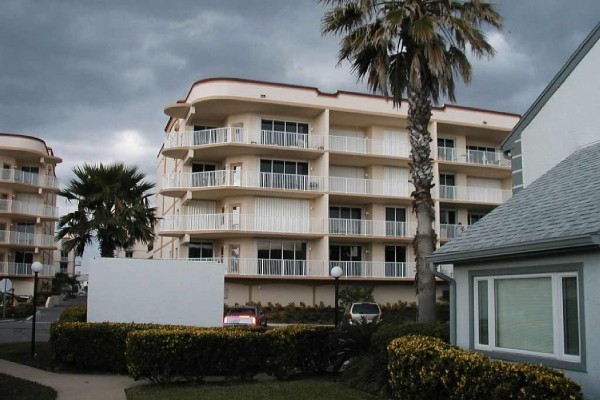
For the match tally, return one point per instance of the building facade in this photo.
(28, 212)
(282, 182)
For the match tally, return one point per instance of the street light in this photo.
(36, 267)
(337, 273)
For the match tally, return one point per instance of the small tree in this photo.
(352, 294)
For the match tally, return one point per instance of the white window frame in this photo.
(557, 315)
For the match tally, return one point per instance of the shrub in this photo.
(392, 330)
(22, 310)
(426, 368)
(161, 355)
(74, 314)
(298, 350)
(352, 294)
(92, 346)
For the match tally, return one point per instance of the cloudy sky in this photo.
(92, 77)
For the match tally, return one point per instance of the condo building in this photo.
(280, 183)
(28, 212)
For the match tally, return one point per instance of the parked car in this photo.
(355, 312)
(12, 299)
(245, 315)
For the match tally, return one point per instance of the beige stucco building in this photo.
(282, 182)
(28, 213)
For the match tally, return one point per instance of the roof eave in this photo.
(589, 240)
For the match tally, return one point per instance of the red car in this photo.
(245, 315)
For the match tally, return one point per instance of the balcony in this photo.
(369, 146)
(375, 269)
(26, 239)
(450, 231)
(176, 183)
(313, 268)
(24, 269)
(488, 158)
(177, 143)
(362, 227)
(473, 194)
(28, 178)
(33, 209)
(377, 187)
(240, 223)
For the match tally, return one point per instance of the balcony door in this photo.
(203, 174)
(204, 134)
(281, 258)
(23, 257)
(395, 221)
(234, 259)
(4, 202)
(447, 186)
(395, 262)
(280, 174)
(448, 227)
(345, 220)
(446, 149)
(284, 133)
(201, 250)
(348, 257)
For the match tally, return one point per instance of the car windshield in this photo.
(365, 309)
(242, 311)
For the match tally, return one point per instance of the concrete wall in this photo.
(568, 120)
(591, 283)
(156, 291)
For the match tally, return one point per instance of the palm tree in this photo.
(416, 48)
(112, 206)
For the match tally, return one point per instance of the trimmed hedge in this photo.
(161, 355)
(74, 314)
(392, 330)
(93, 346)
(423, 368)
(298, 350)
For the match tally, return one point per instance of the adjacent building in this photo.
(28, 212)
(282, 182)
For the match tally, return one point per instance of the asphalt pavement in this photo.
(20, 330)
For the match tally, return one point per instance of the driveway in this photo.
(20, 331)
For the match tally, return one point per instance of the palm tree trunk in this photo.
(421, 169)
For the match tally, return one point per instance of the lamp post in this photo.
(337, 273)
(36, 267)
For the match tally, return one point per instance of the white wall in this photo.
(156, 291)
(570, 118)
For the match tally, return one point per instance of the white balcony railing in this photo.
(241, 222)
(24, 269)
(375, 269)
(369, 146)
(20, 207)
(362, 227)
(244, 136)
(27, 239)
(473, 157)
(473, 194)
(368, 186)
(28, 178)
(450, 231)
(251, 179)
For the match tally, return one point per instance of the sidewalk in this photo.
(73, 386)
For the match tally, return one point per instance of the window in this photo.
(200, 250)
(345, 220)
(203, 175)
(281, 174)
(395, 261)
(395, 221)
(281, 258)
(446, 150)
(284, 133)
(535, 315)
(474, 217)
(447, 188)
(204, 134)
(482, 155)
(128, 253)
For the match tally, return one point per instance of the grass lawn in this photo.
(297, 390)
(18, 389)
(20, 353)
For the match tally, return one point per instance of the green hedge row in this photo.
(74, 314)
(161, 355)
(298, 350)
(423, 368)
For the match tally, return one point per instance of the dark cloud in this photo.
(82, 74)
